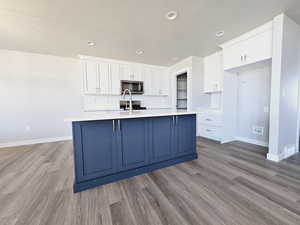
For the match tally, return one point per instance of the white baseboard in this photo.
(274, 157)
(34, 141)
(252, 141)
(223, 141)
(284, 155)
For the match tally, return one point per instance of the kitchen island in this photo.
(111, 146)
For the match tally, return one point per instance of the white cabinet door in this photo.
(125, 72)
(91, 77)
(137, 72)
(104, 78)
(254, 49)
(155, 83)
(164, 82)
(258, 48)
(115, 79)
(233, 56)
(213, 73)
(147, 80)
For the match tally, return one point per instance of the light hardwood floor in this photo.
(229, 184)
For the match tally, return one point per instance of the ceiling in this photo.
(121, 27)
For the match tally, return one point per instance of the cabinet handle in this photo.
(119, 125)
(208, 130)
(176, 119)
(114, 127)
(173, 120)
(208, 119)
(242, 58)
(245, 57)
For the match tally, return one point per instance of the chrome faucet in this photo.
(130, 98)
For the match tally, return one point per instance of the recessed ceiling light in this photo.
(220, 33)
(139, 52)
(90, 43)
(172, 15)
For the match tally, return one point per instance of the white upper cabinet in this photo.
(213, 73)
(258, 48)
(125, 72)
(131, 72)
(147, 80)
(233, 56)
(103, 77)
(164, 82)
(91, 77)
(115, 80)
(252, 47)
(155, 82)
(137, 72)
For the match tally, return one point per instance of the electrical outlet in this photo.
(258, 130)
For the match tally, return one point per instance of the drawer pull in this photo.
(208, 119)
(208, 130)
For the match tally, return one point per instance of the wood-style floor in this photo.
(229, 184)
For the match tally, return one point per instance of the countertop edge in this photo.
(111, 117)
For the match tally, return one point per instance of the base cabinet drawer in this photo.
(210, 132)
(210, 119)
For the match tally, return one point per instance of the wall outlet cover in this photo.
(258, 130)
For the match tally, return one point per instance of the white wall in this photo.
(253, 97)
(284, 118)
(37, 92)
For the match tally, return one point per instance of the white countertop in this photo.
(108, 115)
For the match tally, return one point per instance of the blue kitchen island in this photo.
(115, 145)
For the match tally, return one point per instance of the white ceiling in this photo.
(120, 27)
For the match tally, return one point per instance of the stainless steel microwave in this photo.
(136, 87)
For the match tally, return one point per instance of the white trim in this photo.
(227, 141)
(189, 91)
(273, 157)
(34, 141)
(261, 29)
(252, 141)
(284, 155)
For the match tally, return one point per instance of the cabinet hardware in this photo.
(245, 57)
(114, 127)
(176, 119)
(208, 130)
(207, 119)
(173, 120)
(242, 58)
(119, 125)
